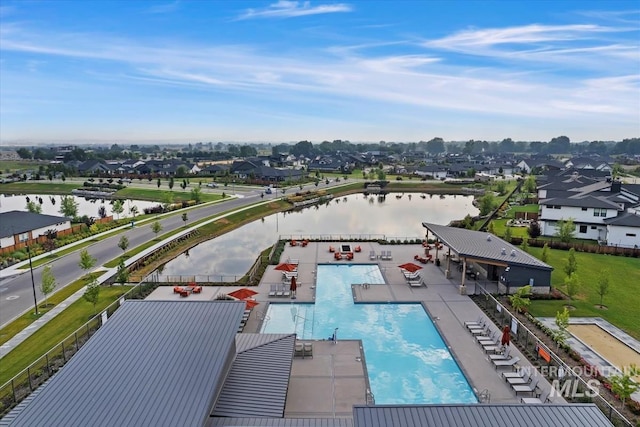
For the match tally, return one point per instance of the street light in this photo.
(33, 282)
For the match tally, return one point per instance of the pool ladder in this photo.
(484, 396)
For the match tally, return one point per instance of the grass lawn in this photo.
(157, 195)
(39, 187)
(11, 166)
(500, 226)
(51, 334)
(622, 298)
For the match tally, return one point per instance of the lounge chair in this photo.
(501, 356)
(293, 261)
(544, 398)
(526, 379)
(299, 350)
(272, 290)
(479, 321)
(308, 350)
(520, 373)
(415, 283)
(491, 339)
(484, 331)
(506, 363)
(290, 274)
(286, 290)
(527, 388)
(279, 291)
(389, 257)
(372, 255)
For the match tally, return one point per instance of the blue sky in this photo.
(285, 71)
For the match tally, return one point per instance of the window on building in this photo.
(584, 209)
(593, 227)
(599, 212)
(23, 237)
(583, 228)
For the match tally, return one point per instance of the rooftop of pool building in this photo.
(407, 360)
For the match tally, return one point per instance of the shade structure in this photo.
(506, 336)
(410, 267)
(286, 267)
(242, 293)
(250, 303)
(294, 285)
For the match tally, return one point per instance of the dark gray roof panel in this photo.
(248, 341)
(15, 222)
(474, 244)
(280, 422)
(258, 381)
(583, 202)
(626, 219)
(574, 415)
(154, 363)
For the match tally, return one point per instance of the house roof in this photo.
(489, 415)
(259, 378)
(280, 422)
(159, 363)
(582, 202)
(16, 222)
(624, 220)
(486, 246)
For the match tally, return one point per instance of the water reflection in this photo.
(51, 205)
(233, 254)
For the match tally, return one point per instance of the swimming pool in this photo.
(407, 360)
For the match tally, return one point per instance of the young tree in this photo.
(565, 230)
(68, 207)
(156, 227)
(48, 283)
(34, 207)
(102, 212)
(561, 334)
(525, 245)
(117, 208)
(507, 234)
(185, 218)
(534, 229)
(122, 276)
(572, 283)
(134, 211)
(572, 265)
(491, 229)
(624, 385)
(167, 200)
(487, 204)
(519, 300)
(171, 183)
(158, 182)
(87, 262)
(123, 243)
(501, 188)
(92, 293)
(196, 194)
(603, 284)
(529, 185)
(545, 253)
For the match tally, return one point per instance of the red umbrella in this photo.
(242, 293)
(410, 267)
(250, 303)
(286, 267)
(294, 285)
(506, 336)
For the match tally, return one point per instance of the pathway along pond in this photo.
(229, 257)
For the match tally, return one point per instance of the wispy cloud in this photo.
(292, 9)
(164, 8)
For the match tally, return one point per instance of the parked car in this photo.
(212, 185)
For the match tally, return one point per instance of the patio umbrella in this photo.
(286, 267)
(250, 303)
(410, 267)
(242, 293)
(294, 285)
(506, 336)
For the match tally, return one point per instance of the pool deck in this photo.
(317, 377)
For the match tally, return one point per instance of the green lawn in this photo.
(39, 187)
(11, 166)
(622, 298)
(56, 330)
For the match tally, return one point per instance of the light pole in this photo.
(33, 282)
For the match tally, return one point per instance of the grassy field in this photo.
(622, 298)
(39, 187)
(51, 334)
(11, 166)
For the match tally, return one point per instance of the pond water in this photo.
(51, 204)
(231, 255)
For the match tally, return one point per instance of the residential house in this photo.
(432, 171)
(22, 227)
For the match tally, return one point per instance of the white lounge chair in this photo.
(520, 373)
(480, 321)
(409, 275)
(415, 283)
(544, 398)
(501, 356)
(372, 255)
(389, 257)
(526, 379)
(527, 388)
(272, 290)
(506, 363)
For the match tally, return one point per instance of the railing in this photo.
(350, 237)
(23, 384)
(529, 344)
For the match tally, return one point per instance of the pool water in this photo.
(407, 360)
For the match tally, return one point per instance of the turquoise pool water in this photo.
(407, 360)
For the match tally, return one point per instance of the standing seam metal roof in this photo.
(476, 244)
(154, 363)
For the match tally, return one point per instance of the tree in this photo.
(545, 253)
(134, 211)
(156, 227)
(122, 276)
(487, 204)
(435, 146)
(117, 208)
(34, 207)
(507, 234)
(123, 243)
(565, 230)
(572, 284)
(185, 218)
(167, 200)
(158, 182)
(529, 185)
(102, 212)
(572, 265)
(48, 283)
(196, 194)
(92, 293)
(624, 385)
(534, 229)
(68, 207)
(87, 262)
(171, 183)
(561, 334)
(501, 188)
(525, 245)
(491, 228)
(520, 299)
(603, 284)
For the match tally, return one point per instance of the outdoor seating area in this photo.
(280, 290)
(187, 290)
(339, 256)
(386, 255)
(302, 243)
(423, 259)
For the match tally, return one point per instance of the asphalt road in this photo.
(16, 292)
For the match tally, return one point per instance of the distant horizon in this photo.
(283, 71)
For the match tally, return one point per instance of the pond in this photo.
(51, 204)
(229, 257)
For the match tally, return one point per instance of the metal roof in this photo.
(548, 415)
(280, 422)
(482, 245)
(258, 381)
(16, 222)
(154, 363)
